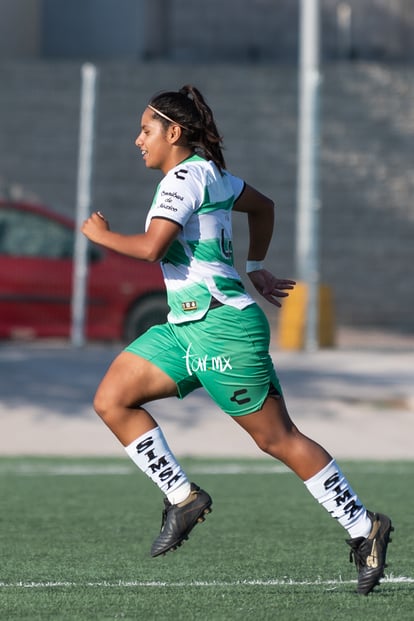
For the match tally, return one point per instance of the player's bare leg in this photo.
(274, 432)
(129, 383)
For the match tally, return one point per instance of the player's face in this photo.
(153, 142)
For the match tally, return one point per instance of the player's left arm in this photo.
(260, 214)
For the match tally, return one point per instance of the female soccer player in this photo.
(216, 336)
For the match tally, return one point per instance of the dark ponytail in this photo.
(188, 108)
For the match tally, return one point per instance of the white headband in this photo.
(165, 116)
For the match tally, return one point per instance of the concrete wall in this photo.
(20, 28)
(189, 30)
(101, 29)
(268, 29)
(367, 182)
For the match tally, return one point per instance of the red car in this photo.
(124, 296)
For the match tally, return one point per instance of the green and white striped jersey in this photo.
(199, 263)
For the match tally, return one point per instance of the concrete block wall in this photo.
(241, 30)
(185, 30)
(367, 182)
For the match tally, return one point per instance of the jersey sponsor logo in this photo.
(201, 364)
(181, 173)
(168, 207)
(171, 195)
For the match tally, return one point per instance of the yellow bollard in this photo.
(292, 318)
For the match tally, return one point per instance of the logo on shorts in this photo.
(197, 364)
(237, 394)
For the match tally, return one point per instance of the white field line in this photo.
(331, 584)
(79, 469)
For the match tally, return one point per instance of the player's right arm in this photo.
(149, 246)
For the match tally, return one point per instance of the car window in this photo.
(27, 234)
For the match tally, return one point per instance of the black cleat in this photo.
(369, 553)
(179, 520)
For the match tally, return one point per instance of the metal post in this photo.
(89, 75)
(308, 179)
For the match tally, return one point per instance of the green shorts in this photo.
(226, 352)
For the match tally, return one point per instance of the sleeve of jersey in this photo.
(237, 184)
(179, 194)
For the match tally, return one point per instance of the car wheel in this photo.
(144, 314)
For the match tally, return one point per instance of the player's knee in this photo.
(277, 444)
(268, 446)
(102, 404)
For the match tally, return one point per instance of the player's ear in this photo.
(174, 133)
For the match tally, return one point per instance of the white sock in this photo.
(332, 490)
(151, 453)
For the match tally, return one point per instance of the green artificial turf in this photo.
(75, 537)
